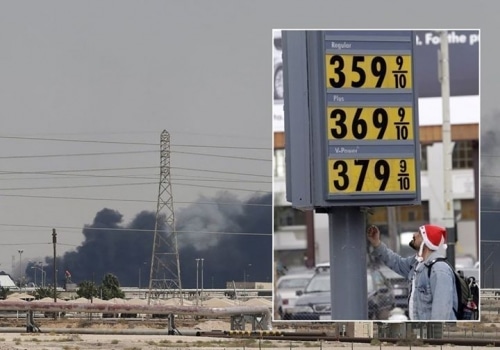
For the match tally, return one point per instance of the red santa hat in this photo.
(433, 237)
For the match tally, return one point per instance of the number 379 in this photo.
(371, 175)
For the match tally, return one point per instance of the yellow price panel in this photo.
(350, 176)
(365, 71)
(370, 123)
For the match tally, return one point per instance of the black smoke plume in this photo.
(233, 236)
(243, 253)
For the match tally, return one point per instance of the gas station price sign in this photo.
(370, 123)
(371, 175)
(368, 71)
(370, 118)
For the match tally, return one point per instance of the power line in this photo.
(131, 184)
(182, 177)
(223, 188)
(128, 143)
(75, 140)
(155, 133)
(31, 243)
(223, 156)
(73, 176)
(269, 149)
(198, 178)
(135, 177)
(76, 186)
(67, 244)
(138, 230)
(64, 172)
(141, 184)
(130, 200)
(74, 154)
(94, 154)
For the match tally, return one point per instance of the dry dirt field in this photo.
(50, 340)
(13, 341)
(71, 339)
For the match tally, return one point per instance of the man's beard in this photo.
(412, 244)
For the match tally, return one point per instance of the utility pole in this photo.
(20, 251)
(202, 280)
(310, 261)
(197, 269)
(43, 272)
(392, 228)
(449, 215)
(34, 268)
(54, 243)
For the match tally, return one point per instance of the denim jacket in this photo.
(434, 298)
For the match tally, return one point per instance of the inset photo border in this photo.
(371, 128)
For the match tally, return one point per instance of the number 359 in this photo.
(368, 71)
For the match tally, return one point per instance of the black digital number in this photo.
(379, 69)
(337, 61)
(382, 173)
(342, 167)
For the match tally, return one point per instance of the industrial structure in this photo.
(165, 270)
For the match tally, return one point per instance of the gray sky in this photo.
(125, 70)
(122, 71)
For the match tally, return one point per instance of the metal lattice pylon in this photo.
(164, 276)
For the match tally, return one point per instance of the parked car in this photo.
(286, 292)
(278, 66)
(400, 287)
(314, 302)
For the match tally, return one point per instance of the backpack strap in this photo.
(432, 262)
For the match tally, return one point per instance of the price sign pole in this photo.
(351, 141)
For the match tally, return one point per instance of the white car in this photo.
(278, 66)
(286, 292)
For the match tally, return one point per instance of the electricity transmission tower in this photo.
(164, 276)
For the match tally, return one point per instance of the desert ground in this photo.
(144, 334)
(65, 334)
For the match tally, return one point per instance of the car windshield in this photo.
(319, 283)
(293, 283)
(378, 279)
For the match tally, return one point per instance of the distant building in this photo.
(249, 285)
(6, 282)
